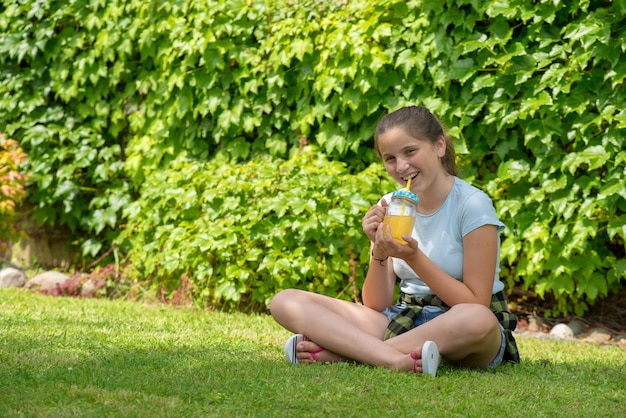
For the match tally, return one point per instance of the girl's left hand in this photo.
(386, 244)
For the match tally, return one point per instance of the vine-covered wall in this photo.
(106, 96)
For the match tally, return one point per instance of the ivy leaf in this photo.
(613, 188)
(621, 268)
(462, 70)
(617, 227)
(91, 247)
(301, 47)
(593, 157)
(514, 170)
(238, 148)
(103, 218)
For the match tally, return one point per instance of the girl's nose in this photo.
(401, 165)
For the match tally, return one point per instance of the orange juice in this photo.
(399, 225)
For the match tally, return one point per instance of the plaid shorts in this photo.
(409, 308)
(431, 312)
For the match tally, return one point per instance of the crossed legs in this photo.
(467, 334)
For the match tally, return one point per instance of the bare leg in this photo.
(468, 334)
(349, 330)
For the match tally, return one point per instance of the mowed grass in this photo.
(64, 357)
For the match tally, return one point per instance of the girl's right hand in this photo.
(373, 218)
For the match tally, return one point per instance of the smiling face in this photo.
(418, 123)
(407, 157)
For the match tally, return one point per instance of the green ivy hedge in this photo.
(108, 95)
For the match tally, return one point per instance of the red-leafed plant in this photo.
(12, 191)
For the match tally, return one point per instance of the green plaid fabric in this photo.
(404, 320)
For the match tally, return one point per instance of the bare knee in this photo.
(477, 321)
(287, 303)
(281, 299)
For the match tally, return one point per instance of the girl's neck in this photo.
(431, 200)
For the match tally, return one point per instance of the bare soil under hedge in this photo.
(609, 312)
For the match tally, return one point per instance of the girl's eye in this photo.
(389, 159)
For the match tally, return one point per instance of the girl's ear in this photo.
(440, 146)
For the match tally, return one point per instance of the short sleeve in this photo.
(478, 210)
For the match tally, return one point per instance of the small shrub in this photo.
(241, 233)
(12, 189)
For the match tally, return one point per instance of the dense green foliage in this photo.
(109, 97)
(242, 232)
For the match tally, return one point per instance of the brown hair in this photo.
(420, 123)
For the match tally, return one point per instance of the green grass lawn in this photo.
(62, 357)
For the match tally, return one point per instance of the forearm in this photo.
(378, 288)
(446, 287)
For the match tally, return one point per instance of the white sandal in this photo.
(430, 358)
(290, 348)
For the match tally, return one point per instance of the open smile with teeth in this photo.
(411, 176)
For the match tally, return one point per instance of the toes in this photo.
(304, 350)
(417, 361)
(307, 346)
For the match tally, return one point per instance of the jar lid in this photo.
(405, 194)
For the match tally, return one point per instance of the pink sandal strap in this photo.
(415, 361)
(313, 353)
(430, 358)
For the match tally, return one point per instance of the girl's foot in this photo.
(427, 361)
(299, 349)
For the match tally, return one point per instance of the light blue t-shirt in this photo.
(440, 235)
